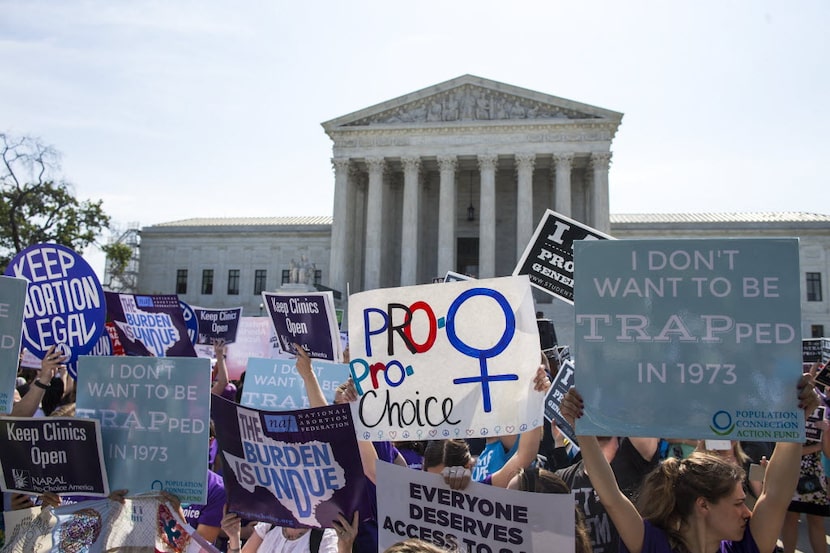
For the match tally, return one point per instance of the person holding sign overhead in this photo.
(28, 405)
(696, 505)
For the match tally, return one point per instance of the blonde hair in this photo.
(669, 492)
(414, 546)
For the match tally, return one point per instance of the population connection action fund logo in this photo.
(722, 424)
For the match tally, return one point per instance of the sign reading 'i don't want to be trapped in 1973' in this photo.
(694, 338)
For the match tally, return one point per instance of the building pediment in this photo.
(469, 99)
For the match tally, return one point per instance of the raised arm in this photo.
(312, 386)
(623, 514)
(781, 478)
(220, 349)
(28, 404)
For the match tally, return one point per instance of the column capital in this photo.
(487, 162)
(600, 160)
(375, 164)
(562, 158)
(340, 163)
(447, 163)
(411, 163)
(525, 161)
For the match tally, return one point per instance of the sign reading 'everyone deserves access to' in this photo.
(64, 301)
(549, 259)
(694, 338)
(293, 468)
(52, 454)
(275, 384)
(13, 294)
(154, 415)
(418, 504)
(449, 360)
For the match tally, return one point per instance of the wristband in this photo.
(42, 386)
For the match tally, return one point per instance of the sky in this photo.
(173, 109)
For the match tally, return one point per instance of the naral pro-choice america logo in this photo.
(764, 425)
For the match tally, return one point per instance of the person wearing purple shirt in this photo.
(207, 518)
(696, 505)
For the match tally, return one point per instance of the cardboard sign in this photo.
(452, 360)
(12, 301)
(150, 325)
(275, 384)
(418, 504)
(52, 454)
(293, 468)
(308, 320)
(64, 301)
(154, 415)
(549, 260)
(694, 338)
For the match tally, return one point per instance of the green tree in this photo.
(37, 205)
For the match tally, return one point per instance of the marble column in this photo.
(562, 189)
(524, 201)
(374, 218)
(487, 225)
(409, 222)
(600, 214)
(446, 215)
(340, 240)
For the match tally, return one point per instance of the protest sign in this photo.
(150, 325)
(291, 468)
(305, 319)
(154, 415)
(190, 321)
(452, 276)
(418, 504)
(64, 301)
(275, 384)
(549, 260)
(813, 428)
(810, 350)
(143, 523)
(563, 380)
(694, 338)
(254, 338)
(12, 301)
(453, 360)
(52, 454)
(217, 324)
(28, 530)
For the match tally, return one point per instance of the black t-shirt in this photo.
(629, 469)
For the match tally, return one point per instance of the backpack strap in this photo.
(315, 540)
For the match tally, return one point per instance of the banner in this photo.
(275, 384)
(12, 301)
(449, 360)
(418, 504)
(52, 454)
(305, 319)
(563, 380)
(295, 468)
(695, 338)
(64, 301)
(150, 326)
(549, 259)
(154, 415)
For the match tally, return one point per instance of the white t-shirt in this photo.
(274, 542)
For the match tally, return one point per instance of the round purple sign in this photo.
(64, 302)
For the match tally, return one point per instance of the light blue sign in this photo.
(275, 384)
(65, 303)
(154, 414)
(689, 338)
(12, 301)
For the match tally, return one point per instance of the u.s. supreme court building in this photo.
(453, 177)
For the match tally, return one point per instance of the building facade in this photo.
(451, 177)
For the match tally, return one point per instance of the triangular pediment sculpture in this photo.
(471, 99)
